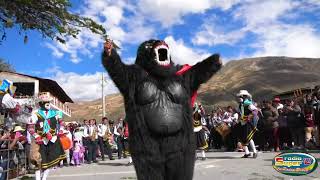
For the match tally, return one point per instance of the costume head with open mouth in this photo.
(154, 56)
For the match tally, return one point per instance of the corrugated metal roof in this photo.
(48, 85)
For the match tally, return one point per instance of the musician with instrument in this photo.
(92, 142)
(118, 135)
(85, 137)
(248, 118)
(114, 134)
(104, 136)
(224, 128)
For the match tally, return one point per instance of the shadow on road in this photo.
(223, 157)
(267, 159)
(113, 164)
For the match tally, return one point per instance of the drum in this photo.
(223, 129)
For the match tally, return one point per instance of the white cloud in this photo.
(169, 12)
(257, 13)
(138, 30)
(211, 36)
(55, 51)
(315, 2)
(269, 21)
(226, 4)
(276, 37)
(84, 44)
(83, 87)
(87, 43)
(114, 15)
(288, 40)
(253, 12)
(181, 54)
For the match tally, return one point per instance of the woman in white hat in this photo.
(18, 129)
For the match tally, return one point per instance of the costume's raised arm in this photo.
(204, 70)
(117, 70)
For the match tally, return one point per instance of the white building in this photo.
(29, 87)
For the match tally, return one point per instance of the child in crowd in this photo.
(77, 153)
(78, 149)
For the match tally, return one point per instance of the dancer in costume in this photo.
(248, 120)
(45, 136)
(92, 142)
(199, 126)
(157, 96)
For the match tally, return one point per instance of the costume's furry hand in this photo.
(108, 46)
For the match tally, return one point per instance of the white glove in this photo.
(252, 107)
(8, 102)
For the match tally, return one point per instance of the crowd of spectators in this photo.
(283, 125)
(85, 142)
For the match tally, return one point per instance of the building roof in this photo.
(295, 92)
(48, 85)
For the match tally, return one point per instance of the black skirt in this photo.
(201, 140)
(51, 154)
(246, 133)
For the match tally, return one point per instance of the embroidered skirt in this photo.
(246, 133)
(51, 154)
(201, 140)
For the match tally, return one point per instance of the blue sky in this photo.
(193, 29)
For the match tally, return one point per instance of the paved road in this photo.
(219, 165)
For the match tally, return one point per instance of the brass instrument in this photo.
(107, 135)
(94, 134)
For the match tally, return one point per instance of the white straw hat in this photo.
(244, 93)
(18, 128)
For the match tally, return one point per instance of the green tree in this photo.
(4, 66)
(51, 18)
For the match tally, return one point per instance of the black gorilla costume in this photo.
(158, 109)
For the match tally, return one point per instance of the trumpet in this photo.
(107, 136)
(94, 134)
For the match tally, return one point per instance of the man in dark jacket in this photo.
(309, 111)
(295, 123)
(270, 118)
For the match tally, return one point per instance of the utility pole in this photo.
(103, 98)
